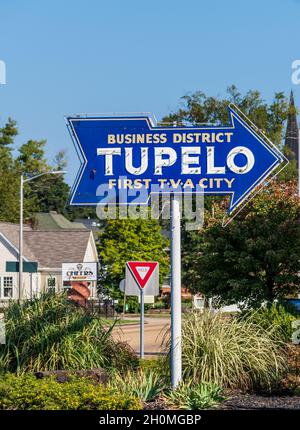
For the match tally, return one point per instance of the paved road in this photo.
(156, 333)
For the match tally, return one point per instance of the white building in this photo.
(50, 249)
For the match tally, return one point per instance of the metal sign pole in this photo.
(176, 366)
(142, 324)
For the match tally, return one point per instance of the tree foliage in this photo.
(270, 118)
(257, 256)
(198, 108)
(43, 194)
(254, 258)
(123, 240)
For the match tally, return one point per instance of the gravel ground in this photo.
(239, 401)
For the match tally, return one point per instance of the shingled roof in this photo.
(50, 248)
(11, 232)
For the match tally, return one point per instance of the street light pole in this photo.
(21, 241)
(22, 182)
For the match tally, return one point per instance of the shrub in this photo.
(146, 385)
(276, 319)
(26, 392)
(132, 304)
(159, 304)
(159, 365)
(230, 352)
(51, 333)
(194, 397)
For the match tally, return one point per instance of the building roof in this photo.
(54, 247)
(11, 232)
(50, 248)
(55, 221)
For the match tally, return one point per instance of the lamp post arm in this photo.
(54, 172)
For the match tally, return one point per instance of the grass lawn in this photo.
(109, 321)
(162, 315)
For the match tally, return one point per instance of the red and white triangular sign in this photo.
(142, 271)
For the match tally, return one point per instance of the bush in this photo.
(51, 333)
(195, 397)
(230, 352)
(161, 304)
(276, 319)
(146, 385)
(27, 393)
(159, 365)
(132, 304)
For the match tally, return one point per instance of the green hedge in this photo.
(25, 392)
(276, 319)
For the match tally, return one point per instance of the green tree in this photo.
(32, 157)
(254, 258)
(8, 133)
(49, 192)
(44, 194)
(123, 240)
(270, 118)
(75, 212)
(9, 184)
(52, 191)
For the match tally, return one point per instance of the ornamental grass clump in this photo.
(52, 333)
(192, 396)
(146, 385)
(230, 352)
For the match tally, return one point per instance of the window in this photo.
(67, 286)
(51, 284)
(8, 284)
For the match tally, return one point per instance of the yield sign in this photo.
(142, 271)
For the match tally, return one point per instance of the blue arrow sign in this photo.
(130, 154)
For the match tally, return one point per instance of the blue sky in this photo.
(98, 56)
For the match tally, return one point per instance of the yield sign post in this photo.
(145, 274)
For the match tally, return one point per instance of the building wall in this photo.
(30, 284)
(91, 254)
(36, 283)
